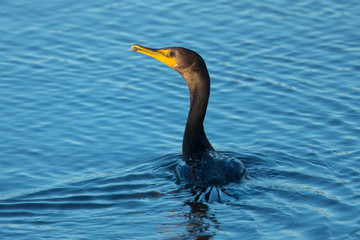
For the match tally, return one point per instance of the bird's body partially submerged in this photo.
(211, 169)
(202, 166)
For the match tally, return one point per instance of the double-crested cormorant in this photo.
(202, 166)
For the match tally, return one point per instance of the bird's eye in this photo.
(171, 54)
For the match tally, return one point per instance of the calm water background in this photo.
(91, 132)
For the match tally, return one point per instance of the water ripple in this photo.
(87, 126)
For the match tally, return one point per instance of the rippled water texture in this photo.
(91, 132)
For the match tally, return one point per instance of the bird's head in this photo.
(178, 58)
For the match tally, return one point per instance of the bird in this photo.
(202, 167)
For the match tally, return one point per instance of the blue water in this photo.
(91, 132)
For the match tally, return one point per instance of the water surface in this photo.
(91, 132)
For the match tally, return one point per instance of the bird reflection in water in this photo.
(200, 224)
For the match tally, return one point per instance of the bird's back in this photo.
(212, 170)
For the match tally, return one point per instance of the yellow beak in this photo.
(160, 54)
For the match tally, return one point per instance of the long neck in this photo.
(195, 141)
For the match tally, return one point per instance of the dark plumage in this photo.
(202, 166)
